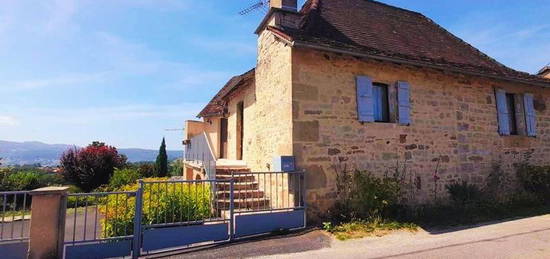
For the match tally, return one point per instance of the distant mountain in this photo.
(27, 153)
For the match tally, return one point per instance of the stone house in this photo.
(363, 85)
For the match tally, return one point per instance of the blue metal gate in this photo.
(14, 224)
(172, 215)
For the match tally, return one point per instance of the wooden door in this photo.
(223, 137)
(240, 130)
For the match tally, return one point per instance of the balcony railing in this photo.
(199, 152)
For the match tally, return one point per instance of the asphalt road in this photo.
(522, 238)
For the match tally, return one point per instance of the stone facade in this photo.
(303, 103)
(454, 125)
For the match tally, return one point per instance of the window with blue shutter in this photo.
(502, 112)
(530, 118)
(365, 104)
(404, 102)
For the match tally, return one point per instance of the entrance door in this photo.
(240, 130)
(223, 138)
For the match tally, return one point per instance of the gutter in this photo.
(300, 44)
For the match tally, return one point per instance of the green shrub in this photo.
(123, 177)
(463, 193)
(535, 180)
(162, 203)
(363, 196)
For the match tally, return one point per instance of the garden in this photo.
(370, 205)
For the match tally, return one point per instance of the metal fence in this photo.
(99, 224)
(268, 191)
(15, 215)
(168, 215)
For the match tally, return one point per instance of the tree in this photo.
(91, 167)
(176, 167)
(162, 161)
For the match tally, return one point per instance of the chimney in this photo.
(545, 72)
(289, 5)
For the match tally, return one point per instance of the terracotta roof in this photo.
(381, 30)
(544, 69)
(216, 106)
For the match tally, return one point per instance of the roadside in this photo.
(519, 238)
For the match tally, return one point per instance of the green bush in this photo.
(162, 203)
(361, 195)
(535, 180)
(463, 193)
(123, 177)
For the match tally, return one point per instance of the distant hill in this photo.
(27, 153)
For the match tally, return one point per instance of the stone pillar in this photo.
(47, 230)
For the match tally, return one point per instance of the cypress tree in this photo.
(162, 161)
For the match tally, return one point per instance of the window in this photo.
(381, 103)
(511, 105)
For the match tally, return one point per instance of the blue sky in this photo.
(122, 71)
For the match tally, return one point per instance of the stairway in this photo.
(247, 195)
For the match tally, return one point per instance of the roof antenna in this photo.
(260, 5)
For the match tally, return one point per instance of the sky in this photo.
(124, 71)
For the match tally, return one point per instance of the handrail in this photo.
(200, 150)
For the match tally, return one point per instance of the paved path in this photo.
(522, 238)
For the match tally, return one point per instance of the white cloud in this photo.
(8, 121)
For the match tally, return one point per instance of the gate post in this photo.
(136, 243)
(47, 230)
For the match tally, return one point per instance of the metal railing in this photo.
(182, 202)
(268, 191)
(15, 215)
(99, 216)
(199, 152)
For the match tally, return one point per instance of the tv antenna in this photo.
(262, 5)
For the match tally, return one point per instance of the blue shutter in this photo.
(365, 105)
(502, 112)
(403, 99)
(530, 118)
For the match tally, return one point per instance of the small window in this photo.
(381, 104)
(511, 104)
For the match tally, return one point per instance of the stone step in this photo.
(240, 194)
(229, 171)
(240, 204)
(237, 178)
(238, 186)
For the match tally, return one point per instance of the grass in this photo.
(11, 213)
(365, 228)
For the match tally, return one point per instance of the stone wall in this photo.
(273, 111)
(454, 126)
(248, 97)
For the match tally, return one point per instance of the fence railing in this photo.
(199, 152)
(182, 202)
(268, 191)
(99, 216)
(15, 215)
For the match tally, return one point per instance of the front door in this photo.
(223, 137)
(240, 130)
